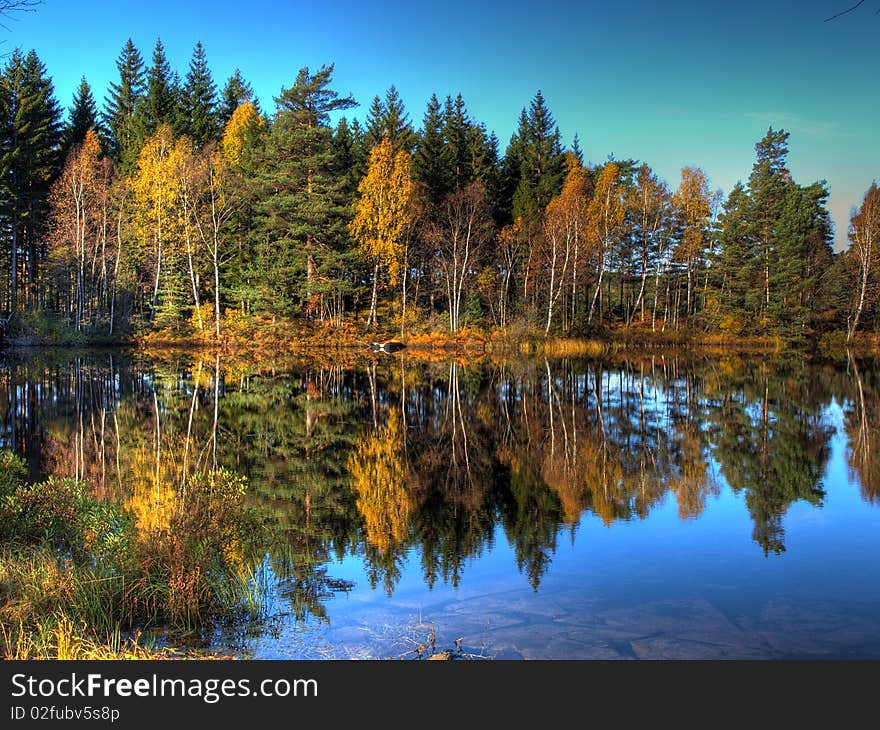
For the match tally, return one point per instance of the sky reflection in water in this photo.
(642, 509)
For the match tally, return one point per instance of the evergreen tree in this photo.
(83, 117)
(349, 154)
(234, 94)
(429, 163)
(541, 160)
(735, 269)
(511, 167)
(199, 100)
(302, 206)
(485, 165)
(122, 103)
(768, 185)
(389, 119)
(398, 128)
(773, 247)
(31, 139)
(180, 119)
(160, 103)
(802, 253)
(374, 130)
(456, 135)
(576, 150)
(360, 154)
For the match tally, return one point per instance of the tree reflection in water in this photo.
(397, 459)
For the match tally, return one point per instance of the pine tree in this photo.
(83, 117)
(774, 244)
(121, 105)
(302, 204)
(31, 141)
(802, 251)
(234, 94)
(768, 184)
(199, 100)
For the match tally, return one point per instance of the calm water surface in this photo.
(654, 508)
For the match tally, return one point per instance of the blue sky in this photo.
(672, 84)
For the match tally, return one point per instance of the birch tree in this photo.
(383, 213)
(605, 217)
(864, 235)
(565, 225)
(461, 228)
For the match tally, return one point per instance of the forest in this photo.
(186, 208)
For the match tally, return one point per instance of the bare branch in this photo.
(844, 12)
(12, 6)
(9, 6)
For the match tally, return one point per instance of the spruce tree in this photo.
(121, 105)
(83, 116)
(429, 163)
(199, 100)
(359, 152)
(485, 166)
(349, 155)
(735, 268)
(374, 130)
(511, 168)
(389, 119)
(398, 128)
(576, 150)
(456, 130)
(31, 139)
(541, 160)
(160, 102)
(234, 94)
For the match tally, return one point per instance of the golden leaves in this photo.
(607, 209)
(692, 202)
(383, 211)
(567, 212)
(242, 131)
(379, 475)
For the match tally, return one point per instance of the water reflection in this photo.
(396, 457)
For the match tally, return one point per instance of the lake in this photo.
(660, 507)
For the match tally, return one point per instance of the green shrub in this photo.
(70, 560)
(62, 514)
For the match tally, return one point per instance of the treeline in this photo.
(182, 207)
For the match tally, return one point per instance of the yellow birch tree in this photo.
(242, 131)
(565, 225)
(383, 213)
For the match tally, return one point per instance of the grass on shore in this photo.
(79, 579)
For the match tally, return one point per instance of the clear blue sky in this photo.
(670, 83)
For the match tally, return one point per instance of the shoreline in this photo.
(276, 341)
